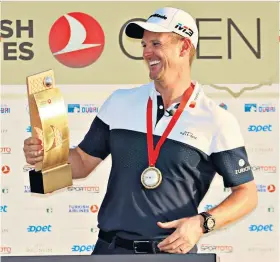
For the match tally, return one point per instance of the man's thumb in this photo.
(171, 224)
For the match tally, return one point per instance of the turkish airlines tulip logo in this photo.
(5, 170)
(271, 188)
(94, 208)
(76, 40)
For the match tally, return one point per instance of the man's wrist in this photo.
(201, 222)
(208, 223)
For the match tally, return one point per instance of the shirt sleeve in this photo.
(97, 140)
(229, 155)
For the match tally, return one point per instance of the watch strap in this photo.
(206, 215)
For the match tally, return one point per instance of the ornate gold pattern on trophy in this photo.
(38, 84)
(39, 133)
(56, 137)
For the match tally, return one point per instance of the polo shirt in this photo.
(205, 140)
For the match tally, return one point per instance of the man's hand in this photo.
(182, 240)
(33, 150)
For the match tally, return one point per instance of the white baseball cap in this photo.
(167, 19)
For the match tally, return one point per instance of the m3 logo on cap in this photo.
(184, 29)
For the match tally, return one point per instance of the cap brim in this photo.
(136, 29)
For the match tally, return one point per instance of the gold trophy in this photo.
(49, 122)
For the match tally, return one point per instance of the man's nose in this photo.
(147, 52)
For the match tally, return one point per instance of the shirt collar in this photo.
(192, 102)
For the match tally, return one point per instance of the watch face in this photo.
(210, 223)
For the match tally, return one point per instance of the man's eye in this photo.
(156, 44)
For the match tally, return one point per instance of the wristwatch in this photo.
(209, 222)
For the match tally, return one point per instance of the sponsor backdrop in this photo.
(236, 62)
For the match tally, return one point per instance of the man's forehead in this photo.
(149, 36)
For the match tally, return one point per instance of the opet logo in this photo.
(36, 228)
(76, 40)
(260, 128)
(83, 248)
(260, 228)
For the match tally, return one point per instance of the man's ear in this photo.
(186, 46)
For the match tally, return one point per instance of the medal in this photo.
(151, 177)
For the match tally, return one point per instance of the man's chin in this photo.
(156, 77)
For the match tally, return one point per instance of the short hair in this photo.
(176, 38)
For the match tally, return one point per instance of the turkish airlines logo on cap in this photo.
(76, 40)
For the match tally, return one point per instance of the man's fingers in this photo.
(170, 239)
(182, 249)
(32, 141)
(32, 148)
(34, 154)
(170, 224)
(33, 161)
(173, 246)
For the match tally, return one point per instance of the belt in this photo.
(139, 246)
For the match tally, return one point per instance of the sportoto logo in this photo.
(76, 40)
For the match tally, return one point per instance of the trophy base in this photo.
(50, 180)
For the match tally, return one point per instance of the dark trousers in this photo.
(104, 248)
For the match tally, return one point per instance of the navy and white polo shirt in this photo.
(205, 140)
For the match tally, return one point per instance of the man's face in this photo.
(162, 54)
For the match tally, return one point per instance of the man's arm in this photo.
(82, 164)
(95, 146)
(240, 202)
(230, 160)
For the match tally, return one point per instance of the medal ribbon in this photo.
(153, 154)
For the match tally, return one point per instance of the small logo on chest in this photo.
(189, 134)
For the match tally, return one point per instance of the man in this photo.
(167, 141)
